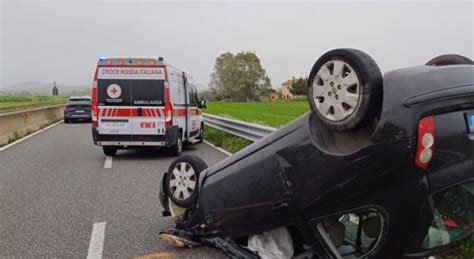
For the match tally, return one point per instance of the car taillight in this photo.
(426, 142)
(168, 108)
(168, 115)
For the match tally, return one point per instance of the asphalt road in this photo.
(54, 188)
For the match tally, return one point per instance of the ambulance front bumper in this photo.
(166, 140)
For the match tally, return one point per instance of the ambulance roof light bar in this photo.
(130, 61)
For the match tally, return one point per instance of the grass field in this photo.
(273, 114)
(225, 140)
(8, 103)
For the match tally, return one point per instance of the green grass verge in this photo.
(273, 114)
(225, 140)
(9, 103)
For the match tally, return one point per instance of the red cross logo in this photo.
(114, 91)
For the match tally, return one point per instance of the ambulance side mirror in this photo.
(202, 104)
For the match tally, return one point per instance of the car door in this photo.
(147, 116)
(114, 96)
(193, 112)
(186, 106)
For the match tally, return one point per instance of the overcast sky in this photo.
(61, 40)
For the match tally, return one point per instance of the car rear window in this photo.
(79, 101)
(148, 92)
(126, 92)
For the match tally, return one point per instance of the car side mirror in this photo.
(202, 104)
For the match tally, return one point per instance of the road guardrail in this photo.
(16, 124)
(246, 130)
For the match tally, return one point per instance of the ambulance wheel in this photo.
(109, 151)
(177, 148)
(181, 180)
(345, 89)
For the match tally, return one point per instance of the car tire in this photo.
(449, 59)
(109, 151)
(345, 89)
(177, 148)
(182, 178)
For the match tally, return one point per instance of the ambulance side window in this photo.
(196, 97)
(192, 97)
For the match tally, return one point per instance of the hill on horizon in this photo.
(42, 88)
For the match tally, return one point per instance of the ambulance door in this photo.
(193, 112)
(148, 119)
(113, 103)
(186, 106)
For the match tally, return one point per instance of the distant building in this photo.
(285, 89)
(55, 89)
(270, 97)
(273, 96)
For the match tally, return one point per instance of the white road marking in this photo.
(96, 245)
(28, 136)
(218, 148)
(108, 162)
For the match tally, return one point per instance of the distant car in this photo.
(380, 167)
(77, 108)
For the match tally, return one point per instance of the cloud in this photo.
(61, 41)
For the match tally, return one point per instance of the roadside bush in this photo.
(225, 140)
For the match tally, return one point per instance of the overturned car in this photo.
(380, 167)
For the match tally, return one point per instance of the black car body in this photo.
(77, 108)
(307, 176)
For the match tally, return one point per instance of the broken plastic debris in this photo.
(276, 243)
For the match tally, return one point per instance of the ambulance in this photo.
(139, 102)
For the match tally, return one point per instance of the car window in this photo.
(192, 97)
(148, 92)
(453, 215)
(352, 234)
(79, 101)
(195, 97)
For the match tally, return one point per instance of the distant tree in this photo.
(207, 95)
(299, 87)
(25, 93)
(239, 77)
